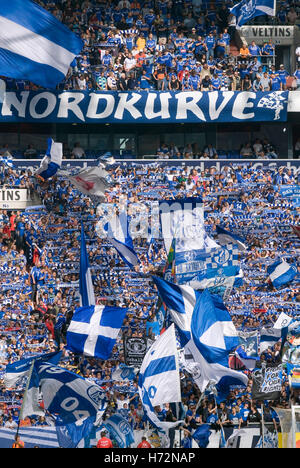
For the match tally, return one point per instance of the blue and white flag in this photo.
(52, 160)
(71, 434)
(201, 435)
(248, 9)
(268, 338)
(123, 372)
(281, 273)
(34, 45)
(183, 220)
(14, 373)
(180, 302)
(66, 395)
(118, 234)
(248, 361)
(40, 436)
(159, 379)
(213, 338)
(227, 237)
(120, 430)
(209, 268)
(93, 330)
(249, 342)
(106, 160)
(86, 288)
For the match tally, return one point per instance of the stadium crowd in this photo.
(167, 45)
(39, 271)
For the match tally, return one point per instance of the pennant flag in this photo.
(52, 160)
(269, 337)
(123, 372)
(86, 288)
(201, 435)
(180, 302)
(267, 383)
(66, 395)
(281, 273)
(35, 45)
(93, 330)
(248, 9)
(120, 430)
(183, 220)
(227, 237)
(15, 373)
(159, 380)
(118, 235)
(91, 181)
(248, 361)
(213, 338)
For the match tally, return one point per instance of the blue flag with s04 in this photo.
(69, 397)
(245, 10)
(34, 45)
(120, 430)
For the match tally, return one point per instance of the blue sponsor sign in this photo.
(144, 107)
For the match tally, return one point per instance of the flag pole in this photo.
(263, 425)
(24, 397)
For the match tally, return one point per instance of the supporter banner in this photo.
(134, 350)
(267, 384)
(290, 191)
(17, 199)
(144, 107)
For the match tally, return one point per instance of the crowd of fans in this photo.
(167, 45)
(39, 271)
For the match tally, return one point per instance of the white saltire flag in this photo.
(93, 330)
(159, 379)
(213, 338)
(34, 45)
(52, 161)
(86, 288)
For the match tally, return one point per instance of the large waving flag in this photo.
(226, 237)
(213, 338)
(34, 45)
(66, 395)
(52, 160)
(86, 288)
(159, 379)
(248, 9)
(93, 330)
(118, 235)
(281, 273)
(180, 302)
(91, 181)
